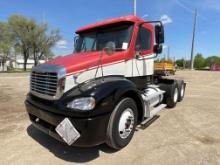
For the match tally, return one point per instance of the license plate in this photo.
(67, 131)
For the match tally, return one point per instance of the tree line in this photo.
(200, 62)
(21, 35)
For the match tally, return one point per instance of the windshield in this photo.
(96, 39)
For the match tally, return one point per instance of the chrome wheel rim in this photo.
(126, 123)
(175, 97)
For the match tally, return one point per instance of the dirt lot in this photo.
(187, 134)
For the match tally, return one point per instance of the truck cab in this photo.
(106, 88)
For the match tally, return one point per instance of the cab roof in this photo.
(131, 18)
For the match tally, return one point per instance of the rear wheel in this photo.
(122, 124)
(172, 100)
(181, 91)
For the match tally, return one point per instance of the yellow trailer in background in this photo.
(165, 68)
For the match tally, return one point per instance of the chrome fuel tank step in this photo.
(152, 97)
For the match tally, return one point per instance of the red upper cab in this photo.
(92, 39)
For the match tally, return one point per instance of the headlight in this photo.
(85, 104)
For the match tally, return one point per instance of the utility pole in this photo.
(134, 7)
(193, 40)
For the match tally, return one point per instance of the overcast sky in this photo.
(67, 15)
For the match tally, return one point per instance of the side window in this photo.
(144, 39)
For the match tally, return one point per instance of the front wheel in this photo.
(122, 124)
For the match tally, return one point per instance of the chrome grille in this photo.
(45, 83)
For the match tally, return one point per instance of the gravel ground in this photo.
(187, 134)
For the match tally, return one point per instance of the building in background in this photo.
(17, 63)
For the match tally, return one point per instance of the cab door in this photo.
(144, 46)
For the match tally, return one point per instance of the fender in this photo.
(107, 93)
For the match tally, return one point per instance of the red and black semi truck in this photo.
(106, 88)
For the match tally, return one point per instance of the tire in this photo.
(124, 117)
(181, 88)
(171, 101)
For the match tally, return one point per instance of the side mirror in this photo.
(110, 47)
(158, 49)
(159, 34)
